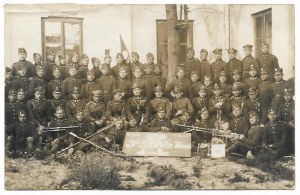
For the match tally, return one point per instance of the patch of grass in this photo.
(264, 178)
(238, 178)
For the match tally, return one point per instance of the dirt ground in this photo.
(224, 173)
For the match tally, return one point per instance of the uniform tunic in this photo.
(107, 83)
(137, 106)
(184, 84)
(268, 62)
(94, 111)
(38, 81)
(217, 67)
(253, 81)
(37, 111)
(116, 70)
(239, 125)
(265, 99)
(163, 102)
(191, 65)
(234, 64)
(205, 69)
(52, 85)
(157, 123)
(67, 87)
(87, 88)
(115, 109)
(182, 104)
(20, 133)
(52, 105)
(11, 112)
(247, 62)
(28, 66)
(72, 106)
(20, 82)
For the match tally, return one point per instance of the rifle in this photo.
(58, 129)
(77, 143)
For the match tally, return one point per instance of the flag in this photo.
(124, 49)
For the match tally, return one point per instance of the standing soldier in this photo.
(107, 83)
(50, 64)
(37, 58)
(62, 67)
(89, 86)
(268, 61)
(12, 108)
(218, 65)
(69, 83)
(74, 62)
(55, 82)
(233, 63)
(135, 61)
(22, 63)
(150, 62)
(107, 60)
(83, 68)
(96, 67)
(253, 80)
(123, 84)
(192, 63)
(39, 80)
(248, 61)
(205, 68)
(157, 73)
(75, 103)
(160, 123)
(121, 65)
(54, 103)
(160, 102)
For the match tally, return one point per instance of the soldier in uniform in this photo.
(238, 124)
(196, 84)
(150, 82)
(205, 68)
(55, 82)
(62, 67)
(107, 60)
(233, 63)
(39, 80)
(37, 108)
(253, 80)
(160, 101)
(69, 83)
(22, 96)
(218, 65)
(287, 106)
(268, 61)
(253, 104)
(8, 81)
(251, 141)
(96, 67)
(75, 103)
(208, 85)
(123, 84)
(54, 103)
(150, 62)
(121, 65)
(22, 64)
(200, 101)
(135, 62)
(180, 104)
(185, 119)
(12, 108)
(138, 73)
(265, 95)
(116, 107)
(180, 81)
(37, 58)
(74, 62)
(21, 81)
(161, 123)
(83, 68)
(223, 79)
(236, 77)
(248, 60)
(275, 135)
(138, 106)
(50, 64)
(107, 84)
(192, 63)
(134, 126)
(279, 84)
(89, 86)
(157, 73)
(21, 135)
(236, 97)
(95, 109)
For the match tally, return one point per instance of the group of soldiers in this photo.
(247, 101)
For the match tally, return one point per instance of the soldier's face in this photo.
(72, 72)
(122, 74)
(104, 71)
(247, 51)
(75, 58)
(236, 93)
(287, 97)
(231, 55)
(75, 96)
(22, 56)
(194, 78)
(107, 60)
(22, 72)
(133, 123)
(204, 115)
(150, 60)
(90, 77)
(38, 95)
(203, 56)
(62, 61)
(253, 72)
(180, 74)
(264, 49)
(57, 96)
(21, 96)
(253, 120)
(120, 60)
(12, 97)
(79, 116)
(8, 75)
(161, 114)
(51, 57)
(207, 82)
(157, 70)
(118, 97)
(222, 79)
(60, 114)
(137, 73)
(158, 94)
(278, 77)
(22, 118)
(56, 74)
(236, 77)
(40, 73)
(96, 63)
(119, 124)
(218, 56)
(236, 112)
(264, 77)
(85, 61)
(178, 95)
(135, 58)
(96, 98)
(252, 96)
(202, 94)
(136, 92)
(37, 60)
(147, 70)
(186, 117)
(190, 55)
(272, 116)
(217, 92)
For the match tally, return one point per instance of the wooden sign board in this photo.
(157, 144)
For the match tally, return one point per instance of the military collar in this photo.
(12, 103)
(234, 59)
(56, 80)
(38, 100)
(236, 98)
(91, 82)
(204, 61)
(250, 56)
(156, 98)
(253, 78)
(201, 99)
(266, 54)
(55, 100)
(204, 121)
(266, 81)
(236, 119)
(60, 119)
(254, 100)
(96, 103)
(237, 83)
(279, 82)
(76, 100)
(254, 126)
(161, 119)
(137, 97)
(147, 75)
(117, 101)
(223, 84)
(219, 97)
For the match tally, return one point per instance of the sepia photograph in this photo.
(149, 96)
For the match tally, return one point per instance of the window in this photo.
(185, 37)
(263, 29)
(63, 35)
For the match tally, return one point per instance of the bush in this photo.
(97, 172)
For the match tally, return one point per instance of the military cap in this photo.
(217, 86)
(39, 89)
(204, 109)
(84, 56)
(76, 89)
(131, 117)
(57, 90)
(36, 55)
(252, 90)
(39, 67)
(94, 59)
(51, 52)
(264, 71)
(22, 112)
(271, 110)
(185, 111)
(252, 113)
(189, 49)
(137, 68)
(119, 55)
(60, 57)
(116, 91)
(150, 55)
(248, 46)
(73, 67)
(202, 89)
(232, 50)
(235, 87)
(59, 108)
(264, 44)
(278, 71)
(21, 90)
(252, 67)
(217, 50)
(203, 51)
(12, 92)
(223, 73)
(193, 72)
(158, 89)
(206, 77)
(236, 72)
(161, 108)
(97, 92)
(136, 85)
(7, 69)
(134, 54)
(177, 89)
(79, 110)
(21, 67)
(22, 50)
(74, 54)
(55, 68)
(122, 69)
(288, 91)
(179, 68)
(236, 106)
(90, 72)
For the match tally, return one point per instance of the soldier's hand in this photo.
(29, 139)
(107, 140)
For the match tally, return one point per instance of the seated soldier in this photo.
(22, 96)
(160, 101)
(252, 103)
(208, 86)
(134, 126)
(200, 102)
(275, 136)
(95, 110)
(75, 103)
(21, 81)
(161, 123)
(253, 80)
(89, 86)
(184, 122)
(53, 103)
(22, 135)
(180, 104)
(250, 143)
(238, 124)
(116, 107)
(236, 97)
(236, 77)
